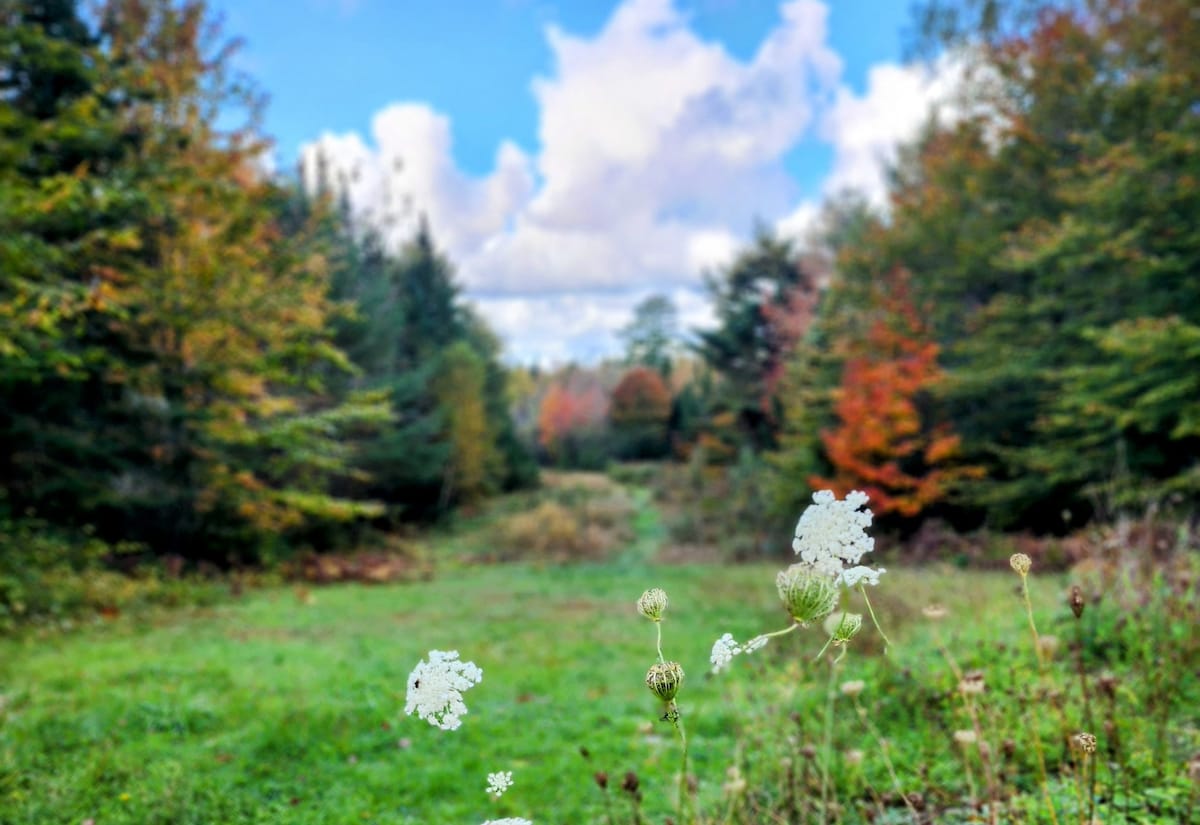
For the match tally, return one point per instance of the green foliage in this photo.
(746, 349)
(651, 337)
(1047, 231)
(195, 357)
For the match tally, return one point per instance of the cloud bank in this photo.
(657, 152)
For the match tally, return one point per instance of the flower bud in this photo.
(934, 612)
(664, 680)
(841, 627)
(807, 595)
(853, 688)
(1021, 563)
(1076, 601)
(653, 604)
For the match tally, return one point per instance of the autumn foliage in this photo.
(883, 445)
(641, 399)
(567, 411)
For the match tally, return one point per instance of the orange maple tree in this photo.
(882, 445)
(565, 410)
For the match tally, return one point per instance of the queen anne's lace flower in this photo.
(723, 651)
(757, 643)
(832, 535)
(499, 782)
(512, 820)
(866, 575)
(435, 688)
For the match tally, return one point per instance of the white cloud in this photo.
(657, 151)
(580, 326)
(866, 130)
(409, 171)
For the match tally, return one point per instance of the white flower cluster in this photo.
(499, 782)
(726, 647)
(831, 537)
(511, 820)
(723, 651)
(435, 688)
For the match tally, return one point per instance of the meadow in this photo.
(286, 704)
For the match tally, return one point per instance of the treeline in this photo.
(198, 358)
(1015, 341)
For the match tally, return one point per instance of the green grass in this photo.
(271, 710)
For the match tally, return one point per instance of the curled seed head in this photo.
(1084, 742)
(1021, 563)
(664, 680)
(841, 627)
(971, 683)
(965, 737)
(807, 595)
(601, 780)
(934, 612)
(630, 785)
(653, 604)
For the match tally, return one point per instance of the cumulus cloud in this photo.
(657, 151)
(866, 130)
(556, 328)
(409, 170)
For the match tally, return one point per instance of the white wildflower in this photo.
(435, 688)
(723, 651)
(511, 820)
(499, 782)
(832, 535)
(866, 575)
(757, 643)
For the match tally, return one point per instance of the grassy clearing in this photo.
(286, 705)
(274, 710)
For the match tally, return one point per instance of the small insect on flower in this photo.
(499, 782)
(435, 688)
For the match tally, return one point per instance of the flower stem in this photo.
(658, 627)
(684, 799)
(1037, 739)
(828, 743)
(886, 641)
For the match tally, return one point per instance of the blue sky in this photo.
(575, 156)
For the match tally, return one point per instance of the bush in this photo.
(50, 578)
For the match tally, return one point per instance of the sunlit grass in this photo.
(270, 709)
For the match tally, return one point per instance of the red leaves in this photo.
(882, 445)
